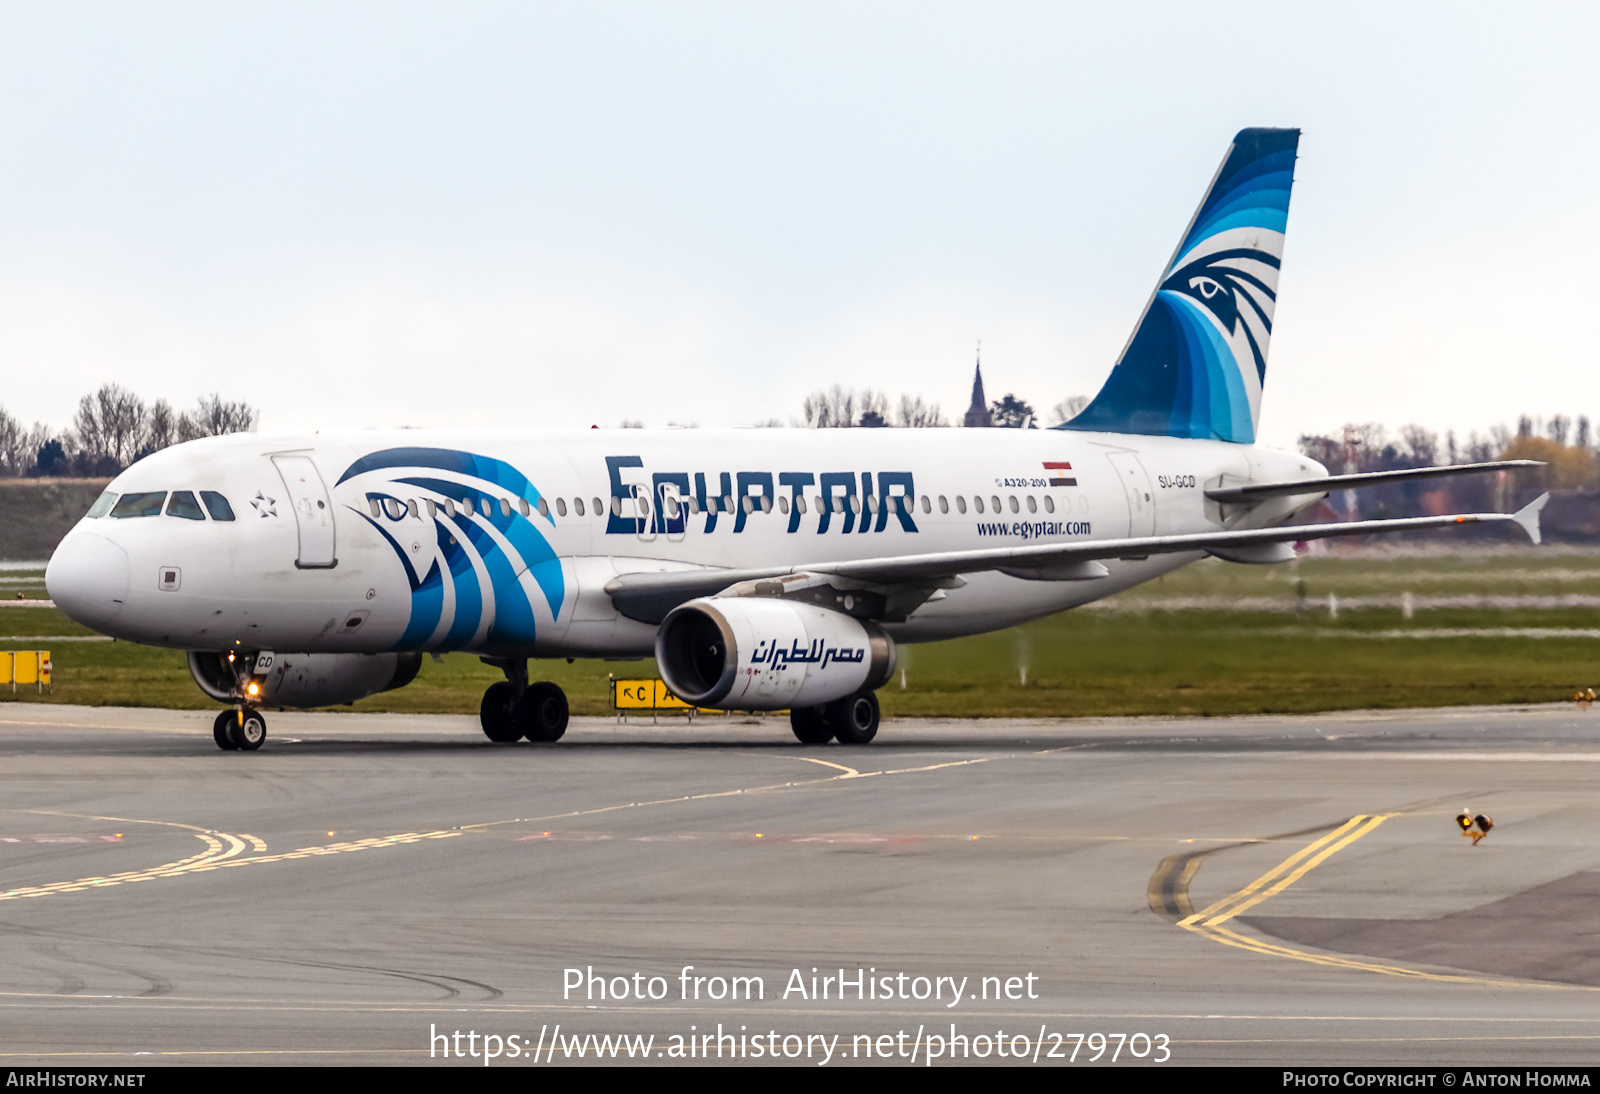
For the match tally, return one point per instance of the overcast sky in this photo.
(564, 214)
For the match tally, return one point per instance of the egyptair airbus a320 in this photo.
(764, 569)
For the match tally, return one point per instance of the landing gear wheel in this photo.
(497, 714)
(542, 713)
(810, 725)
(222, 730)
(854, 718)
(249, 734)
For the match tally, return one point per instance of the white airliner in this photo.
(764, 569)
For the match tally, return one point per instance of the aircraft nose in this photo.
(88, 578)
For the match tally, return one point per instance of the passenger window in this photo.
(139, 505)
(766, 504)
(855, 504)
(1049, 504)
(183, 505)
(372, 507)
(561, 507)
(505, 507)
(994, 499)
(577, 506)
(411, 507)
(102, 505)
(961, 504)
(1033, 506)
(800, 504)
(783, 504)
(544, 508)
(433, 509)
(487, 506)
(1015, 508)
(616, 506)
(944, 505)
(927, 506)
(449, 508)
(598, 508)
(977, 502)
(523, 507)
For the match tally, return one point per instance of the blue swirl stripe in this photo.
(479, 546)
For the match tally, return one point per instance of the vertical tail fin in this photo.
(1197, 361)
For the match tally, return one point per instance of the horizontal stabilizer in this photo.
(1528, 516)
(1330, 483)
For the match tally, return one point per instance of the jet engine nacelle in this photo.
(301, 679)
(738, 653)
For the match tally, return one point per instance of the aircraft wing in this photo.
(1330, 483)
(649, 596)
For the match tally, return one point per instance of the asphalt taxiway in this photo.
(1285, 890)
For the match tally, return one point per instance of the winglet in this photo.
(1528, 516)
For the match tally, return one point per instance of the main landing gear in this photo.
(852, 720)
(239, 730)
(514, 708)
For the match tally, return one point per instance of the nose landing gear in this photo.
(514, 708)
(239, 730)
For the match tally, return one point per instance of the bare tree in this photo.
(874, 407)
(214, 417)
(837, 408)
(109, 428)
(160, 427)
(12, 454)
(1068, 409)
(841, 408)
(1423, 444)
(915, 414)
(1558, 427)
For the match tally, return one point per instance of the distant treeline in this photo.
(1565, 445)
(839, 407)
(111, 429)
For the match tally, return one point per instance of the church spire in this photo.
(978, 412)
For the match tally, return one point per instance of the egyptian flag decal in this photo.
(1056, 471)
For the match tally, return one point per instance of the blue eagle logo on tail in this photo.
(1197, 361)
(1234, 287)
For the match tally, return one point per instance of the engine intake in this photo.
(739, 653)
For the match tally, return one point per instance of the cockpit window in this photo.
(103, 504)
(216, 505)
(139, 505)
(183, 505)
